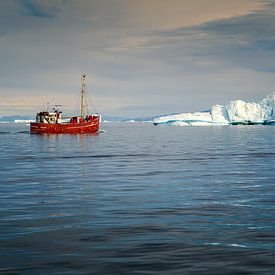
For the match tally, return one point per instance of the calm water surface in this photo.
(138, 199)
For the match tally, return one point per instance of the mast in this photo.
(82, 95)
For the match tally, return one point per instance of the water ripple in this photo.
(138, 199)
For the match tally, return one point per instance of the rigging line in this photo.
(92, 104)
(86, 104)
(76, 112)
(47, 103)
(87, 100)
(72, 99)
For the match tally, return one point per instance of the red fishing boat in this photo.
(53, 122)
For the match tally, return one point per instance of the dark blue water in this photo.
(138, 199)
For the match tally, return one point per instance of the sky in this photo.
(141, 57)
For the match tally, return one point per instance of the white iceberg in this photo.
(236, 112)
(219, 115)
(186, 119)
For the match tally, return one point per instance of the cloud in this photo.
(126, 44)
(41, 8)
(154, 53)
(246, 41)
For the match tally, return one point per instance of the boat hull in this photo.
(66, 128)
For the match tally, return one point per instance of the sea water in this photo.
(138, 199)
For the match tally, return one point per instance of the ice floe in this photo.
(236, 112)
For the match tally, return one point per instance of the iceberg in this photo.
(235, 113)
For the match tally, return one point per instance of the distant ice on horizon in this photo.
(236, 112)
